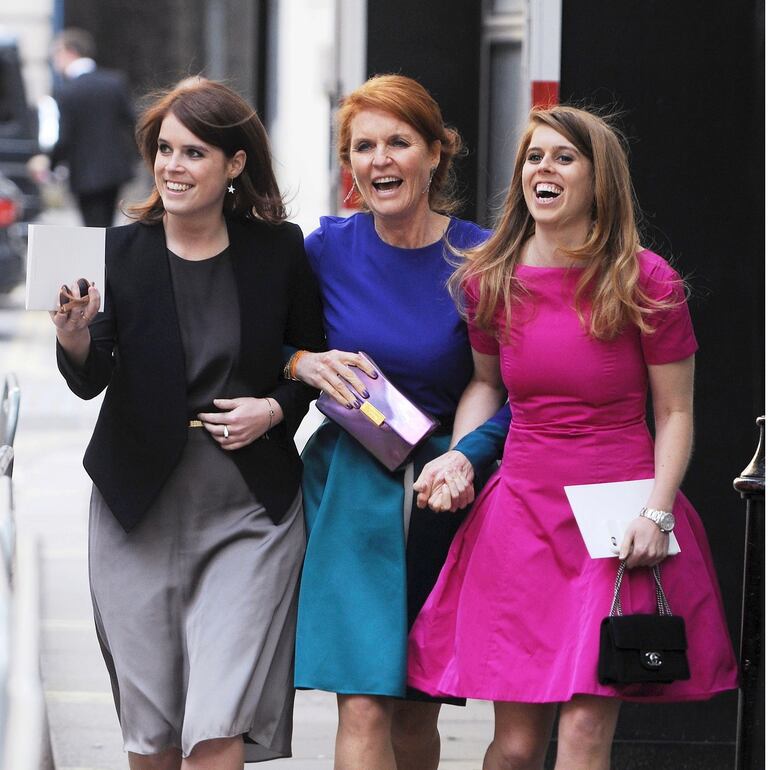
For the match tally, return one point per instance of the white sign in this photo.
(603, 511)
(58, 256)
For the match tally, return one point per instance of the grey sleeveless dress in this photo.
(195, 608)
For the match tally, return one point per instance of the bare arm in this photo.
(672, 399)
(482, 397)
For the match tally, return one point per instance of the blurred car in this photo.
(12, 247)
(18, 129)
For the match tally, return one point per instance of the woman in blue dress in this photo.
(373, 554)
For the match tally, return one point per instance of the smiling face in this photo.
(557, 181)
(391, 164)
(191, 175)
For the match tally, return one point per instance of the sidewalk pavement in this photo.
(51, 495)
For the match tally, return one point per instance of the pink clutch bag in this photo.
(387, 424)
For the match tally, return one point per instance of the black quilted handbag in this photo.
(642, 648)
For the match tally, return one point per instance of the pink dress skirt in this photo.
(516, 611)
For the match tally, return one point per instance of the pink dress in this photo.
(516, 611)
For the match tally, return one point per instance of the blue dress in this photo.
(356, 603)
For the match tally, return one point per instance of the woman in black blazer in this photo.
(196, 531)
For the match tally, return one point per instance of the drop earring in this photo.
(351, 191)
(230, 187)
(430, 180)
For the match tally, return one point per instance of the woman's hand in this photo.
(241, 421)
(71, 321)
(329, 371)
(644, 545)
(446, 483)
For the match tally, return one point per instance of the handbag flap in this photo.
(652, 632)
(399, 413)
(391, 408)
(388, 424)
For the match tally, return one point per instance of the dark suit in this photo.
(136, 352)
(96, 124)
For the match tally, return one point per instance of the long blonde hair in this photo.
(609, 252)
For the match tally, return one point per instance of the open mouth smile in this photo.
(387, 183)
(547, 192)
(177, 186)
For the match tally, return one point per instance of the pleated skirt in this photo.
(195, 610)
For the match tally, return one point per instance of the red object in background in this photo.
(346, 199)
(9, 211)
(545, 93)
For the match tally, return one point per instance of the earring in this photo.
(352, 191)
(230, 187)
(430, 180)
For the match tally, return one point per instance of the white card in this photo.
(603, 511)
(58, 255)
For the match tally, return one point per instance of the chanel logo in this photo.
(652, 659)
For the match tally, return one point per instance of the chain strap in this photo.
(660, 597)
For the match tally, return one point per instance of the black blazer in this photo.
(136, 353)
(96, 131)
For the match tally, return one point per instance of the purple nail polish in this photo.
(366, 394)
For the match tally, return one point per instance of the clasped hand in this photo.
(446, 483)
(241, 420)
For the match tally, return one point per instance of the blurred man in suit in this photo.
(96, 124)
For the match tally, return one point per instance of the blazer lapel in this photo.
(153, 278)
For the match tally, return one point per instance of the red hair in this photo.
(409, 101)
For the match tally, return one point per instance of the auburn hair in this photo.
(407, 100)
(219, 117)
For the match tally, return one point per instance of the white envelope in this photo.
(603, 511)
(59, 255)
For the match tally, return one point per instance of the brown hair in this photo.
(610, 250)
(409, 101)
(221, 118)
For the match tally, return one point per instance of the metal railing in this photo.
(750, 734)
(24, 735)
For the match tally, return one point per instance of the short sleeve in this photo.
(314, 244)
(672, 337)
(481, 340)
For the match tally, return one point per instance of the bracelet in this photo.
(271, 414)
(293, 361)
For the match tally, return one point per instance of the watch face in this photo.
(666, 522)
(663, 519)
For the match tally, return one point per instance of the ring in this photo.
(82, 313)
(227, 432)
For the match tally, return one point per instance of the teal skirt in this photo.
(354, 608)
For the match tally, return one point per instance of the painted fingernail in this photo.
(366, 394)
(348, 406)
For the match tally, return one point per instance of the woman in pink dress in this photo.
(572, 318)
